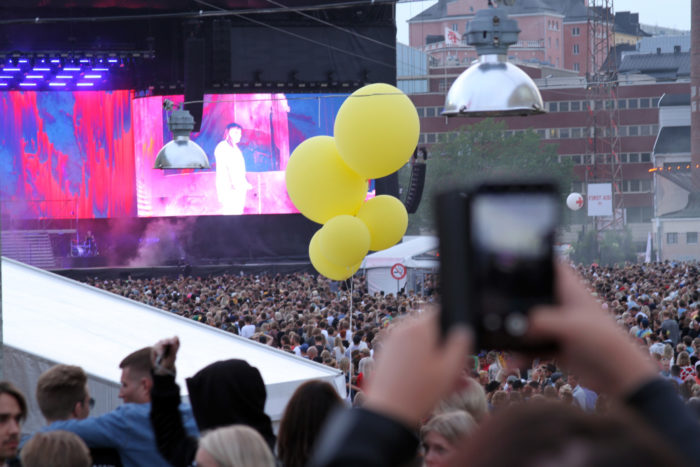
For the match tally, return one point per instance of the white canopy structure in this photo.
(415, 254)
(49, 319)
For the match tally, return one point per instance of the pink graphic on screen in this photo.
(67, 155)
(247, 175)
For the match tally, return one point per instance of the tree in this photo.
(483, 151)
(605, 248)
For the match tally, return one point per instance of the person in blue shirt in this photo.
(127, 429)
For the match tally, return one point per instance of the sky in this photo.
(667, 13)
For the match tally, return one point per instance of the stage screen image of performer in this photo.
(231, 183)
(248, 139)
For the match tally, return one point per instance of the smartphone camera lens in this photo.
(516, 324)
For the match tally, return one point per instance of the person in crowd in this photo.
(302, 421)
(13, 411)
(127, 428)
(416, 368)
(470, 398)
(234, 446)
(136, 378)
(228, 392)
(56, 449)
(442, 435)
(62, 393)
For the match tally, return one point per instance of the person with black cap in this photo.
(228, 392)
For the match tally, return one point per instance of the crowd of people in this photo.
(628, 350)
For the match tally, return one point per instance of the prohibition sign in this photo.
(398, 271)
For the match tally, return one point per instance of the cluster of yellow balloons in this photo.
(375, 133)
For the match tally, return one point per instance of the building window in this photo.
(639, 214)
(691, 238)
(430, 111)
(553, 107)
(421, 112)
(672, 238)
(576, 31)
(645, 157)
(576, 105)
(553, 133)
(577, 49)
(431, 137)
(576, 159)
(563, 107)
(577, 67)
(645, 186)
(622, 104)
(576, 132)
(564, 133)
(644, 103)
(632, 103)
(655, 102)
(455, 27)
(622, 131)
(541, 132)
(421, 138)
(633, 130)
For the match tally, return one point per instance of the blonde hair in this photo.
(471, 399)
(57, 449)
(453, 426)
(237, 446)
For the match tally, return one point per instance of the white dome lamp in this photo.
(491, 86)
(181, 152)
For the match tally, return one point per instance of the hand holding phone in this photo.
(497, 259)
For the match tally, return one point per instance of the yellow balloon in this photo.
(387, 220)
(376, 130)
(325, 267)
(344, 240)
(320, 184)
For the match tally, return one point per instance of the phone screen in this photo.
(512, 235)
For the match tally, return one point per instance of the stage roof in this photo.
(68, 322)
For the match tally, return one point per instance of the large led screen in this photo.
(67, 155)
(90, 154)
(248, 139)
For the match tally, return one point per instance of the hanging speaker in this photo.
(415, 187)
(194, 79)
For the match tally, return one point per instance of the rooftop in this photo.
(570, 9)
(673, 100)
(673, 140)
(662, 66)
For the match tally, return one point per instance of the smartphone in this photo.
(497, 259)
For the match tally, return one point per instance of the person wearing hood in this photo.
(228, 392)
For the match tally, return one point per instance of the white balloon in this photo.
(574, 201)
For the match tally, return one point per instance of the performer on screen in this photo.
(231, 183)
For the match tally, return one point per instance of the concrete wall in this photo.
(682, 250)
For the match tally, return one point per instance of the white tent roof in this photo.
(404, 253)
(63, 321)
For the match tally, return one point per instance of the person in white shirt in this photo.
(231, 182)
(248, 330)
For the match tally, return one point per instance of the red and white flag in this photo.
(451, 37)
